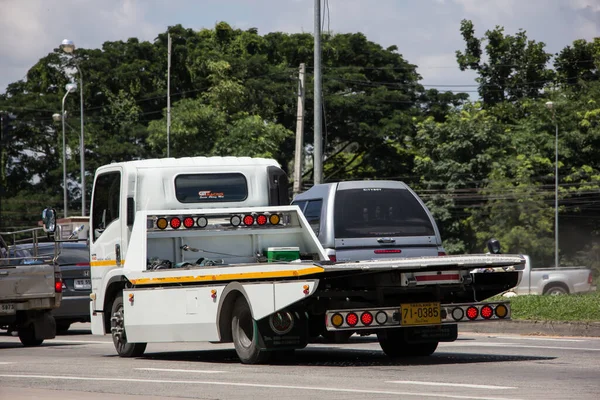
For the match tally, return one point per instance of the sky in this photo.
(426, 32)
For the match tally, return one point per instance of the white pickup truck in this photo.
(553, 281)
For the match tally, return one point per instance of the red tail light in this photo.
(487, 312)
(387, 251)
(188, 222)
(333, 258)
(352, 319)
(175, 223)
(441, 253)
(472, 313)
(366, 318)
(261, 219)
(248, 220)
(58, 284)
(590, 278)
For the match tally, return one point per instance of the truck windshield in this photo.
(377, 212)
(209, 188)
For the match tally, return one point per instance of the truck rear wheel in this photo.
(27, 336)
(117, 328)
(245, 334)
(394, 344)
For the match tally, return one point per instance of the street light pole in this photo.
(70, 88)
(69, 47)
(550, 106)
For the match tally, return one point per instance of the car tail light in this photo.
(590, 279)
(388, 251)
(261, 219)
(441, 253)
(333, 258)
(188, 222)
(58, 284)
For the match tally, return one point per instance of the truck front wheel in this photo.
(117, 328)
(394, 344)
(245, 334)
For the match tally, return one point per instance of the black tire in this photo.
(124, 348)
(556, 290)
(62, 327)
(394, 345)
(27, 336)
(245, 333)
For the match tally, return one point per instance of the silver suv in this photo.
(363, 220)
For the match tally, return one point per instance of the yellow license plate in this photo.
(420, 314)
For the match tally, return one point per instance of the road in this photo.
(477, 366)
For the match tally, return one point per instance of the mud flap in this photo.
(428, 334)
(44, 326)
(296, 338)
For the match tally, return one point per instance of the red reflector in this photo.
(441, 277)
(387, 251)
(351, 319)
(333, 258)
(248, 220)
(188, 222)
(366, 318)
(261, 219)
(175, 223)
(472, 313)
(441, 253)
(58, 286)
(590, 278)
(487, 312)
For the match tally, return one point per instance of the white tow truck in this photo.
(209, 249)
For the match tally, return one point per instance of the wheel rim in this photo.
(245, 329)
(118, 331)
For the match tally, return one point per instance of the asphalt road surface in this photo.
(477, 366)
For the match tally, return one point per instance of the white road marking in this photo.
(465, 385)
(5, 362)
(520, 346)
(198, 371)
(258, 385)
(80, 341)
(537, 338)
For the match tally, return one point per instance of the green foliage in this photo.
(573, 307)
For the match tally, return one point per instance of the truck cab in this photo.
(121, 190)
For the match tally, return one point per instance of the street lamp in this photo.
(69, 47)
(70, 88)
(550, 106)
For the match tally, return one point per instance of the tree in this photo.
(515, 67)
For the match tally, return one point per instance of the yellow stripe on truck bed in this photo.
(228, 277)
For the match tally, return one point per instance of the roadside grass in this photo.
(572, 307)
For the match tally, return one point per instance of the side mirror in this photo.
(49, 220)
(493, 246)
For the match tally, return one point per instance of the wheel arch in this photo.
(229, 296)
(550, 285)
(114, 287)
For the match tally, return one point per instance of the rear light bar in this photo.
(254, 220)
(389, 317)
(590, 279)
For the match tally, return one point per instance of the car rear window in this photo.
(377, 212)
(210, 188)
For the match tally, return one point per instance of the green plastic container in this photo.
(282, 254)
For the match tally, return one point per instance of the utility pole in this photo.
(169, 95)
(318, 144)
(299, 155)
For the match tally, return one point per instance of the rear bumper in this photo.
(76, 308)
